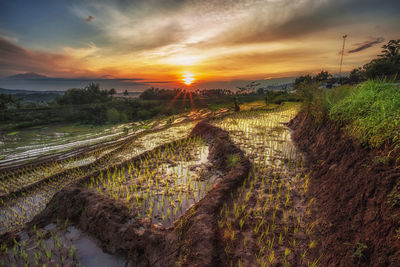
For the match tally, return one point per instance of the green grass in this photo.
(13, 133)
(232, 160)
(216, 106)
(370, 111)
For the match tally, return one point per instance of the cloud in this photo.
(14, 59)
(299, 19)
(89, 18)
(160, 39)
(366, 45)
(17, 59)
(82, 52)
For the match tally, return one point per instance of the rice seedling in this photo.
(44, 248)
(164, 183)
(275, 185)
(26, 191)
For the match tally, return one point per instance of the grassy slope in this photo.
(369, 112)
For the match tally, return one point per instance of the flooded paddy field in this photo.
(164, 183)
(160, 177)
(27, 192)
(30, 144)
(267, 221)
(59, 142)
(58, 245)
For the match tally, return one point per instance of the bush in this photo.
(278, 97)
(113, 116)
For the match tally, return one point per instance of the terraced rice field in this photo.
(158, 175)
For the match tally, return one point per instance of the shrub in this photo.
(113, 116)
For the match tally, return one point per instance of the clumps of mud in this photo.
(191, 241)
(356, 190)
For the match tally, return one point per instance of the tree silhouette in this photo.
(323, 76)
(112, 91)
(391, 49)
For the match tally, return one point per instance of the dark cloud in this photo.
(89, 18)
(312, 19)
(366, 44)
(14, 59)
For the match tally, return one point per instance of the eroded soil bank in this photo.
(356, 192)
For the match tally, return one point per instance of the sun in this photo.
(188, 78)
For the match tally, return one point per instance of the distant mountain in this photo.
(33, 96)
(27, 75)
(27, 92)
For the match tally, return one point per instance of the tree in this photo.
(387, 65)
(391, 50)
(380, 68)
(7, 101)
(356, 76)
(236, 103)
(113, 115)
(269, 95)
(323, 76)
(307, 79)
(89, 94)
(126, 93)
(112, 91)
(260, 91)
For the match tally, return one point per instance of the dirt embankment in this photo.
(351, 185)
(191, 241)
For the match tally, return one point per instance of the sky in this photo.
(212, 43)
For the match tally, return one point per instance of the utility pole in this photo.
(341, 58)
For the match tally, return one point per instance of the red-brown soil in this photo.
(191, 241)
(351, 184)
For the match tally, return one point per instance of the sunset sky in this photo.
(162, 42)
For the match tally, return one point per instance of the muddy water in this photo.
(88, 252)
(58, 245)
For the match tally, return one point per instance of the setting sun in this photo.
(188, 78)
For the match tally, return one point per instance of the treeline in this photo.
(369, 111)
(385, 66)
(157, 93)
(88, 105)
(91, 105)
